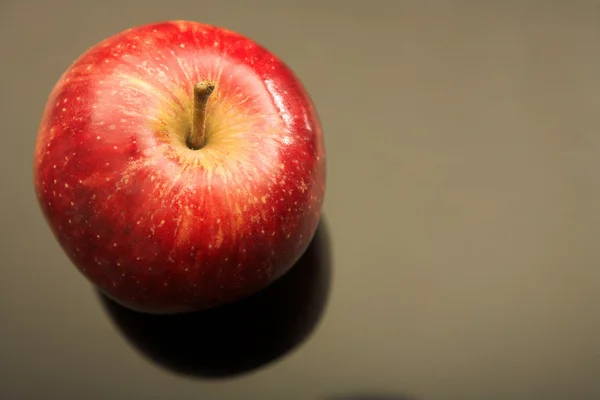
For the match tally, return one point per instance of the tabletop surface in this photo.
(458, 253)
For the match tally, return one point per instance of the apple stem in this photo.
(202, 91)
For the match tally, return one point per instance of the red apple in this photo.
(181, 166)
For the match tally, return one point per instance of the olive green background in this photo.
(459, 258)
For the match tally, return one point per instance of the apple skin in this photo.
(157, 226)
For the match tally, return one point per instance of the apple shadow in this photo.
(240, 337)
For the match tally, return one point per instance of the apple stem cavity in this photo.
(202, 91)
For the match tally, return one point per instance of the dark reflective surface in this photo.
(365, 396)
(240, 337)
(371, 397)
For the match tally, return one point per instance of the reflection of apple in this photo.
(181, 166)
(243, 336)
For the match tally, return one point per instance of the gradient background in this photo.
(459, 257)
